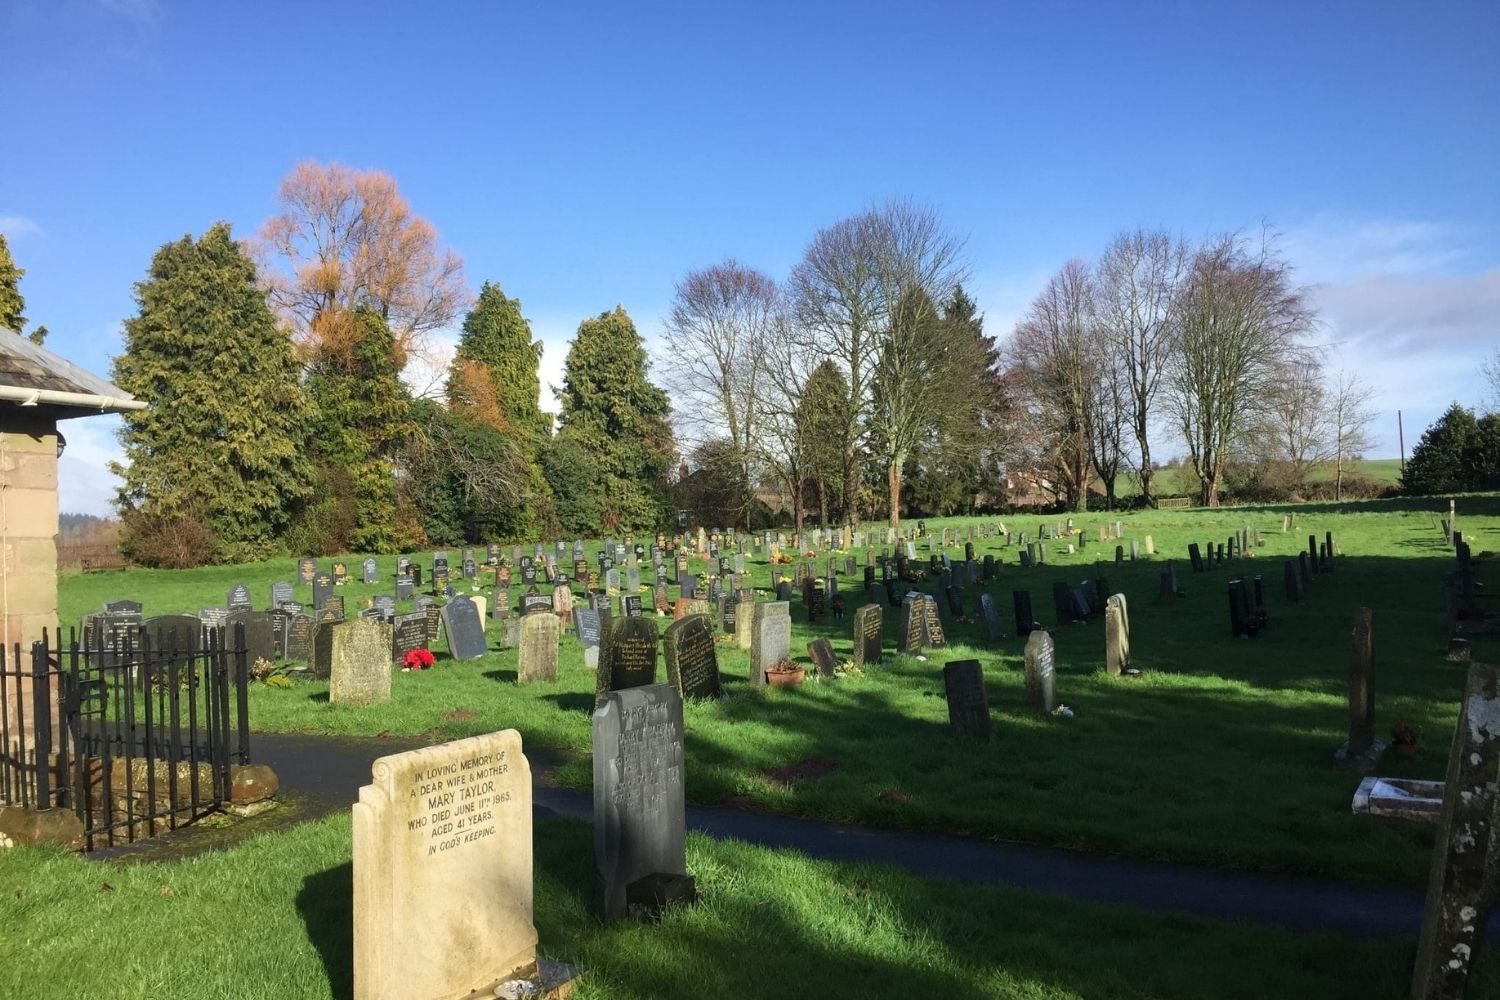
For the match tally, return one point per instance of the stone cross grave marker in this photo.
(627, 657)
(1040, 693)
(537, 659)
(464, 626)
(639, 823)
(968, 705)
(443, 866)
(692, 659)
(360, 665)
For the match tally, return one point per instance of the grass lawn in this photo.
(271, 918)
(1221, 754)
(1180, 480)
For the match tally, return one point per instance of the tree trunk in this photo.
(822, 500)
(1338, 477)
(1209, 495)
(1146, 476)
(851, 481)
(1109, 492)
(894, 476)
(797, 490)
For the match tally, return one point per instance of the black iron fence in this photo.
(134, 730)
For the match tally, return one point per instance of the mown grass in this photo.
(272, 918)
(1221, 754)
(1179, 480)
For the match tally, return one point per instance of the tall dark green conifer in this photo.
(12, 305)
(616, 420)
(363, 417)
(498, 337)
(221, 444)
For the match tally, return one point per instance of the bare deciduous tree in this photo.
(1292, 423)
(714, 359)
(1056, 354)
(837, 295)
(1239, 320)
(1135, 284)
(1110, 419)
(343, 238)
(781, 440)
(1348, 422)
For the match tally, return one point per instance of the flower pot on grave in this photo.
(1405, 749)
(786, 677)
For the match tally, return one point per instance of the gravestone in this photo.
(589, 624)
(369, 571)
(298, 643)
(1021, 600)
(988, 572)
(821, 652)
(744, 622)
(991, 617)
(1064, 608)
(1116, 635)
(562, 604)
(1196, 556)
(307, 569)
(443, 865)
(360, 664)
(968, 704)
(537, 659)
(260, 635)
(912, 624)
(404, 586)
(627, 657)
(239, 598)
(408, 632)
(639, 823)
(1040, 694)
(1462, 874)
(770, 638)
(868, 626)
(464, 626)
(933, 635)
(281, 592)
(1362, 748)
(692, 658)
(340, 574)
(533, 602)
(322, 590)
(173, 636)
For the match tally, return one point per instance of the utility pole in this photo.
(1401, 436)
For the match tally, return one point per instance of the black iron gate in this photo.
(133, 730)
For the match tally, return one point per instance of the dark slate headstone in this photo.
(956, 601)
(913, 623)
(299, 638)
(322, 590)
(534, 602)
(639, 828)
(1291, 581)
(1022, 601)
(821, 651)
(589, 624)
(630, 605)
(167, 635)
(408, 632)
(281, 592)
(370, 571)
(260, 635)
(968, 704)
(307, 569)
(1196, 555)
(464, 628)
(627, 657)
(933, 636)
(692, 657)
(404, 584)
(239, 598)
(868, 633)
(1040, 668)
(1063, 610)
(988, 567)
(991, 618)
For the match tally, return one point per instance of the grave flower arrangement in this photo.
(418, 659)
(1405, 736)
(786, 674)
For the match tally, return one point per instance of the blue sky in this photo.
(585, 154)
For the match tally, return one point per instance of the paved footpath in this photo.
(329, 771)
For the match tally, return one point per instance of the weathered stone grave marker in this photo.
(968, 704)
(692, 659)
(537, 657)
(360, 663)
(1040, 693)
(627, 657)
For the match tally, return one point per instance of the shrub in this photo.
(168, 542)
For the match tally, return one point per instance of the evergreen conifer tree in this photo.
(615, 419)
(219, 451)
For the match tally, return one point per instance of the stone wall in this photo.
(28, 535)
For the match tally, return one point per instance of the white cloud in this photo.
(1327, 248)
(19, 225)
(84, 483)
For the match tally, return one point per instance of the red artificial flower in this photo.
(418, 659)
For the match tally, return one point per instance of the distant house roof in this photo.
(31, 375)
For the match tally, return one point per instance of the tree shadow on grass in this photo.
(326, 905)
(320, 697)
(572, 701)
(503, 676)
